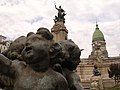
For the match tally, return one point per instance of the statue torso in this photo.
(28, 79)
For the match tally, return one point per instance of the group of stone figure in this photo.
(36, 62)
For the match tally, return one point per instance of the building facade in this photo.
(99, 56)
(4, 44)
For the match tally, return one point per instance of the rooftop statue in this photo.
(61, 14)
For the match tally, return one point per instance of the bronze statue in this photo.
(31, 67)
(61, 14)
(34, 73)
(13, 53)
(15, 48)
(30, 33)
(44, 32)
(66, 61)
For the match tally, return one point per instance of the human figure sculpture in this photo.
(15, 48)
(34, 72)
(30, 33)
(56, 19)
(96, 80)
(66, 62)
(61, 14)
(96, 72)
(44, 32)
(13, 53)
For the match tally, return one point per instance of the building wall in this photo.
(85, 71)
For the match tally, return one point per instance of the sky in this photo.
(18, 17)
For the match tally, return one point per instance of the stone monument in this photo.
(59, 30)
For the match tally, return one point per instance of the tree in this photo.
(114, 72)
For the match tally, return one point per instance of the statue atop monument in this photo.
(61, 14)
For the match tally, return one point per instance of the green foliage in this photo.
(114, 71)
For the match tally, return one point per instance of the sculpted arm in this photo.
(6, 73)
(75, 83)
(56, 7)
(62, 84)
(5, 60)
(5, 65)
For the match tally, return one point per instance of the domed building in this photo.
(98, 35)
(99, 56)
(98, 44)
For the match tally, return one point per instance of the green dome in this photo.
(98, 35)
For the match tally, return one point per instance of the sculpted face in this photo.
(72, 57)
(71, 53)
(15, 49)
(36, 50)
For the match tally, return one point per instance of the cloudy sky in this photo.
(18, 17)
